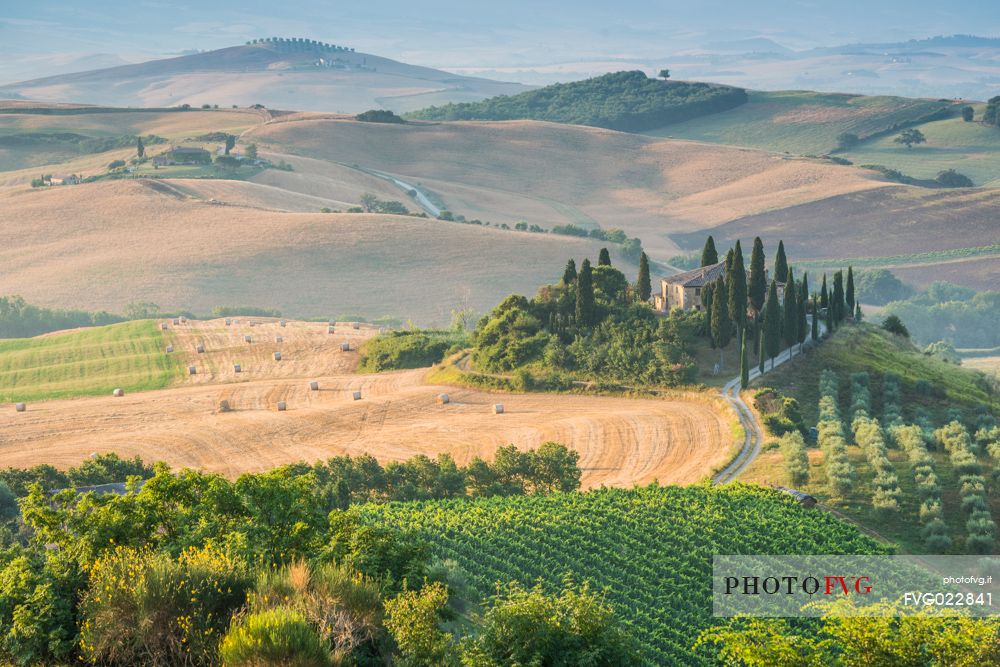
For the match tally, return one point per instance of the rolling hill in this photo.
(288, 74)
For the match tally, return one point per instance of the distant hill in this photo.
(626, 101)
(280, 73)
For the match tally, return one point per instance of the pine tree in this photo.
(781, 264)
(772, 322)
(758, 281)
(722, 326)
(850, 290)
(790, 314)
(803, 300)
(761, 352)
(837, 299)
(140, 148)
(643, 286)
(585, 308)
(569, 273)
(824, 295)
(604, 258)
(709, 255)
(744, 362)
(815, 321)
(737, 281)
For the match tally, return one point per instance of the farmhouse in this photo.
(68, 179)
(183, 155)
(684, 289)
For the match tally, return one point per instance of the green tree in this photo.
(950, 178)
(847, 140)
(140, 149)
(772, 322)
(909, 137)
(894, 325)
(824, 296)
(968, 113)
(586, 309)
(604, 258)
(992, 114)
(709, 255)
(744, 362)
(664, 74)
(643, 285)
(761, 350)
(722, 326)
(781, 264)
(814, 333)
(251, 152)
(837, 303)
(790, 313)
(849, 290)
(569, 273)
(758, 279)
(230, 143)
(412, 620)
(736, 280)
(802, 302)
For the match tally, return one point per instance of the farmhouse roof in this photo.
(188, 149)
(698, 277)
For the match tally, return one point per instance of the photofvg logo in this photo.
(799, 586)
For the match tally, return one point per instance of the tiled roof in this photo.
(698, 277)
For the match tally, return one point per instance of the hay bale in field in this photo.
(252, 323)
(170, 348)
(176, 322)
(118, 393)
(281, 406)
(330, 330)
(224, 406)
(355, 325)
(236, 321)
(277, 356)
(192, 370)
(282, 322)
(345, 347)
(229, 322)
(443, 399)
(237, 368)
(184, 320)
(200, 349)
(164, 326)
(20, 407)
(357, 395)
(498, 409)
(248, 339)
(279, 339)
(314, 386)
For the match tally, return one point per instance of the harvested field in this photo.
(621, 441)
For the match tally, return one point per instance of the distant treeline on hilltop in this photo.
(626, 101)
(296, 44)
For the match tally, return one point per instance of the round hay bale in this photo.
(184, 320)
(176, 322)
(236, 321)
(277, 356)
(345, 347)
(281, 406)
(355, 325)
(200, 349)
(252, 323)
(237, 368)
(224, 406)
(443, 399)
(331, 323)
(229, 322)
(248, 339)
(164, 326)
(357, 395)
(118, 393)
(20, 407)
(282, 322)
(192, 370)
(498, 409)
(170, 348)
(279, 339)
(330, 330)
(314, 386)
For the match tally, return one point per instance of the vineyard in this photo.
(651, 548)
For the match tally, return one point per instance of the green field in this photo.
(651, 548)
(801, 122)
(87, 362)
(972, 149)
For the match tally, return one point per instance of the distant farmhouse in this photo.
(684, 289)
(183, 155)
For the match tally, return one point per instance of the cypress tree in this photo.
(824, 296)
(803, 300)
(585, 309)
(761, 352)
(850, 290)
(707, 297)
(722, 326)
(815, 321)
(709, 255)
(569, 273)
(772, 322)
(829, 318)
(781, 264)
(790, 313)
(604, 258)
(837, 299)
(744, 362)
(643, 286)
(857, 312)
(736, 279)
(140, 148)
(758, 281)
(729, 261)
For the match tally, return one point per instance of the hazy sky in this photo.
(511, 32)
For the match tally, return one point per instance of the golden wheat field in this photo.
(621, 441)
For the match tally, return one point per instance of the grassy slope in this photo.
(87, 362)
(801, 122)
(855, 349)
(651, 548)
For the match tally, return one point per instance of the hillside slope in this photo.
(268, 74)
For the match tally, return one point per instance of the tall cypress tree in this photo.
(643, 286)
(140, 148)
(761, 351)
(837, 299)
(790, 313)
(744, 362)
(772, 322)
(585, 308)
(706, 301)
(722, 326)
(815, 321)
(824, 295)
(569, 273)
(729, 261)
(709, 255)
(604, 258)
(849, 295)
(781, 264)
(857, 312)
(758, 281)
(803, 300)
(736, 279)
(830, 323)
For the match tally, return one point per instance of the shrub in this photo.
(412, 618)
(952, 179)
(793, 448)
(894, 325)
(407, 349)
(273, 637)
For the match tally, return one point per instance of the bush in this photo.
(407, 349)
(793, 449)
(379, 116)
(273, 637)
(116, 164)
(952, 179)
(894, 325)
